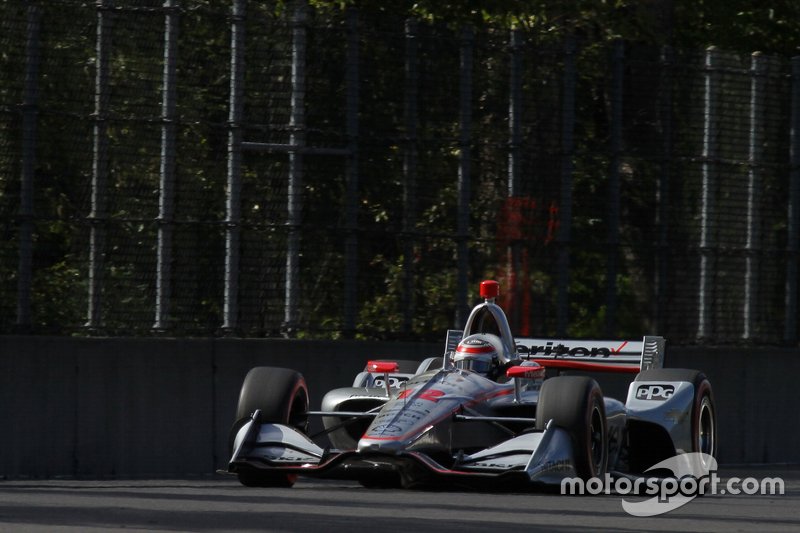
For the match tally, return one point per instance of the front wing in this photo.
(535, 458)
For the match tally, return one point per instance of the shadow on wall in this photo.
(161, 407)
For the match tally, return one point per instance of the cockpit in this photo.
(489, 319)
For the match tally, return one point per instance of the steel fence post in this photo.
(167, 168)
(617, 73)
(514, 251)
(793, 215)
(708, 197)
(351, 224)
(464, 174)
(297, 139)
(410, 162)
(98, 218)
(758, 72)
(233, 200)
(662, 190)
(515, 114)
(567, 165)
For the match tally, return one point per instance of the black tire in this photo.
(704, 414)
(282, 397)
(575, 404)
(280, 393)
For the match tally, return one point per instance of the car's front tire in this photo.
(281, 396)
(575, 404)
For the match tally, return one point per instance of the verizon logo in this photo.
(560, 349)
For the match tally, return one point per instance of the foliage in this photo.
(399, 246)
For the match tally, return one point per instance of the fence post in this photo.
(514, 251)
(567, 152)
(98, 216)
(758, 72)
(662, 191)
(410, 161)
(233, 203)
(617, 73)
(166, 207)
(30, 111)
(351, 224)
(515, 114)
(297, 139)
(464, 175)
(707, 196)
(793, 218)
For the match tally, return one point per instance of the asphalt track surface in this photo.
(219, 503)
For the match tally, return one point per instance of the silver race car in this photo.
(493, 411)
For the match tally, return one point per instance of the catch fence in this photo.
(202, 168)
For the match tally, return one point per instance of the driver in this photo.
(479, 353)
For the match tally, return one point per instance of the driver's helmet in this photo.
(479, 353)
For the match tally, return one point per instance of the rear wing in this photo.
(591, 355)
(595, 355)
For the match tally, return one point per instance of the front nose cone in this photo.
(390, 447)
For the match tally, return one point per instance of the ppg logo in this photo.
(654, 392)
(394, 382)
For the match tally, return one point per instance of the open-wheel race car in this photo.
(493, 411)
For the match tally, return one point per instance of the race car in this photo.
(493, 411)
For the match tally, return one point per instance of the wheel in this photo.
(282, 397)
(280, 393)
(575, 404)
(704, 419)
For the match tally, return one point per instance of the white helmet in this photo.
(479, 353)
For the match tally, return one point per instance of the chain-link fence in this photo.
(205, 168)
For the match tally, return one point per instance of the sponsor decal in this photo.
(386, 428)
(560, 465)
(500, 466)
(394, 382)
(655, 392)
(560, 349)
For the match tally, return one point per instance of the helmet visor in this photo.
(481, 366)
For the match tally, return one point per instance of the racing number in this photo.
(431, 395)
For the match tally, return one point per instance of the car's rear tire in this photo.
(575, 404)
(281, 396)
(704, 414)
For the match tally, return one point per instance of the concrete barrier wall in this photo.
(162, 407)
